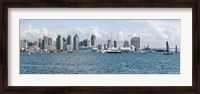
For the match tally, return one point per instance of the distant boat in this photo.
(167, 51)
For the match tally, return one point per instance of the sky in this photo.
(152, 32)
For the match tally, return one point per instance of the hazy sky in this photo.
(152, 32)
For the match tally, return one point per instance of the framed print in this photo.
(100, 47)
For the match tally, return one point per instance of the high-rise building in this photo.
(69, 43)
(50, 41)
(40, 43)
(69, 40)
(86, 43)
(115, 44)
(59, 43)
(109, 44)
(54, 45)
(93, 40)
(64, 43)
(76, 42)
(135, 41)
(45, 42)
(23, 44)
(105, 47)
(126, 43)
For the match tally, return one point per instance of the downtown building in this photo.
(93, 40)
(59, 43)
(40, 43)
(135, 41)
(23, 44)
(76, 42)
(109, 44)
(126, 44)
(45, 42)
(115, 44)
(69, 43)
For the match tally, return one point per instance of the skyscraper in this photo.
(40, 43)
(23, 44)
(50, 41)
(76, 42)
(59, 43)
(64, 43)
(126, 43)
(115, 44)
(105, 46)
(70, 43)
(45, 42)
(93, 40)
(135, 41)
(109, 44)
(54, 45)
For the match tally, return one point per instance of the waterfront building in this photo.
(99, 47)
(45, 42)
(23, 44)
(30, 44)
(59, 43)
(135, 41)
(69, 43)
(54, 45)
(69, 40)
(86, 43)
(40, 43)
(126, 44)
(105, 46)
(109, 44)
(64, 43)
(35, 44)
(93, 40)
(115, 44)
(50, 41)
(76, 42)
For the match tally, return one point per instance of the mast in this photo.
(167, 45)
(111, 40)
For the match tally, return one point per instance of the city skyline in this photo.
(155, 33)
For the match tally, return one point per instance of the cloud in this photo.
(153, 32)
(156, 32)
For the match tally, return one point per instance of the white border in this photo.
(183, 79)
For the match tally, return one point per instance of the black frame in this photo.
(194, 4)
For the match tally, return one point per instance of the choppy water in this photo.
(99, 63)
